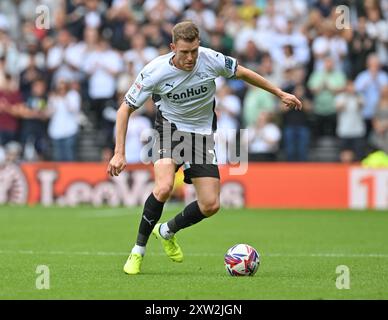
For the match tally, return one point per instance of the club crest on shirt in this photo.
(202, 75)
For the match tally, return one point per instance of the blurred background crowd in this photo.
(60, 87)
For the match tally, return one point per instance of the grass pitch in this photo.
(85, 249)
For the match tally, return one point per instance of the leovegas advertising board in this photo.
(264, 185)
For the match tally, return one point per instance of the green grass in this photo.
(85, 249)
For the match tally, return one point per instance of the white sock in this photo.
(139, 250)
(165, 231)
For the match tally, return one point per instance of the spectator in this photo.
(202, 16)
(285, 59)
(130, 30)
(311, 27)
(3, 73)
(228, 108)
(63, 109)
(34, 123)
(293, 9)
(258, 100)
(139, 130)
(103, 66)
(329, 43)
(10, 97)
(156, 36)
(271, 20)
(86, 13)
(379, 136)
(369, 84)
(360, 45)
(8, 50)
(376, 27)
(251, 55)
(351, 127)
(324, 86)
(248, 10)
(263, 139)
(325, 7)
(56, 54)
(63, 59)
(13, 152)
(296, 129)
(138, 30)
(140, 54)
(159, 11)
(292, 42)
(28, 76)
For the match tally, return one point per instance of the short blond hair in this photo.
(186, 30)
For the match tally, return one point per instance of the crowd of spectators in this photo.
(58, 80)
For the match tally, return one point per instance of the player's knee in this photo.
(210, 207)
(163, 192)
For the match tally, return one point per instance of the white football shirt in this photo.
(185, 98)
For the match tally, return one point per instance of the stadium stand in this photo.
(96, 47)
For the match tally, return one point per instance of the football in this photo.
(242, 260)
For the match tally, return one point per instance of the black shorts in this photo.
(195, 152)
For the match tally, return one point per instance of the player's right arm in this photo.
(136, 96)
(118, 163)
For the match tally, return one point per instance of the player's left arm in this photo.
(257, 80)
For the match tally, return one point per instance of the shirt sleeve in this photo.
(140, 90)
(224, 66)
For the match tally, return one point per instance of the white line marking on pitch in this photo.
(102, 253)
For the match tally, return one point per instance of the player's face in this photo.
(186, 54)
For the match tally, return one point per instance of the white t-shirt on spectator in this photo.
(75, 55)
(335, 47)
(277, 23)
(350, 119)
(65, 112)
(291, 9)
(258, 145)
(232, 104)
(140, 60)
(227, 126)
(55, 57)
(102, 84)
(299, 43)
(206, 18)
(149, 5)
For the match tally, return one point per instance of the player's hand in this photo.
(291, 101)
(116, 165)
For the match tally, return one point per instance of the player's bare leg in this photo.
(208, 194)
(206, 205)
(164, 170)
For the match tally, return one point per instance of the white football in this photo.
(242, 260)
